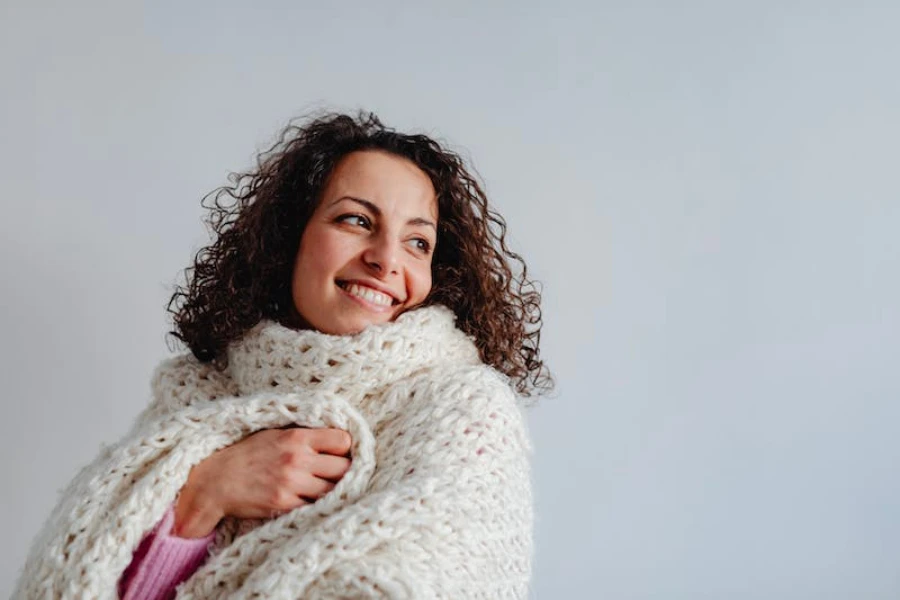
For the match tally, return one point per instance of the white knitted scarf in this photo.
(437, 501)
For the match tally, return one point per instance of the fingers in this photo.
(328, 466)
(314, 488)
(283, 508)
(330, 441)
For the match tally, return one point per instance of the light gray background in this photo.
(708, 190)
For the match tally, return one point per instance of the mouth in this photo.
(368, 294)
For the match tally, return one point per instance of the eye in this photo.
(421, 244)
(355, 219)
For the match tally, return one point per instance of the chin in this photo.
(353, 326)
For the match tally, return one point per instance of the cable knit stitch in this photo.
(436, 504)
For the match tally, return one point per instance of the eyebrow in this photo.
(377, 211)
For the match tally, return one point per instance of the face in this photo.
(365, 255)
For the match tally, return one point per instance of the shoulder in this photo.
(182, 380)
(469, 381)
(470, 396)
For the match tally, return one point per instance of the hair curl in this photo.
(256, 223)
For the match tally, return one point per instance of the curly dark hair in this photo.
(256, 223)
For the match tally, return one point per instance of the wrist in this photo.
(196, 515)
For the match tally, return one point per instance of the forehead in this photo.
(392, 182)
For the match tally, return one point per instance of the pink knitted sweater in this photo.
(161, 562)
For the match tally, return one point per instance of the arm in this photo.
(238, 481)
(448, 513)
(162, 561)
(464, 526)
(103, 514)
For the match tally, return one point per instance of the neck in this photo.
(277, 357)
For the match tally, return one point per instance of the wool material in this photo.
(437, 502)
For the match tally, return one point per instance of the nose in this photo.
(382, 256)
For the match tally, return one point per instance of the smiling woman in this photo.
(365, 255)
(345, 424)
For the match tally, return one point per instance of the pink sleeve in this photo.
(162, 561)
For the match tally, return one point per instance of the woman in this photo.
(357, 283)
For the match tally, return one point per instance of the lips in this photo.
(368, 292)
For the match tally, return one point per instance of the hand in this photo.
(268, 473)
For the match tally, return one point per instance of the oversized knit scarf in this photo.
(436, 503)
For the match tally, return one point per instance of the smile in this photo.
(366, 293)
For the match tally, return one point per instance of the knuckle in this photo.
(293, 459)
(285, 500)
(286, 459)
(295, 435)
(276, 499)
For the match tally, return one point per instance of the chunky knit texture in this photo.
(162, 561)
(436, 504)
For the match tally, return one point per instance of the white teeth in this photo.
(369, 294)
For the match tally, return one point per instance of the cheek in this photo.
(310, 267)
(420, 284)
(320, 255)
(300, 280)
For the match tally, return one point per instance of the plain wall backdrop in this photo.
(707, 190)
